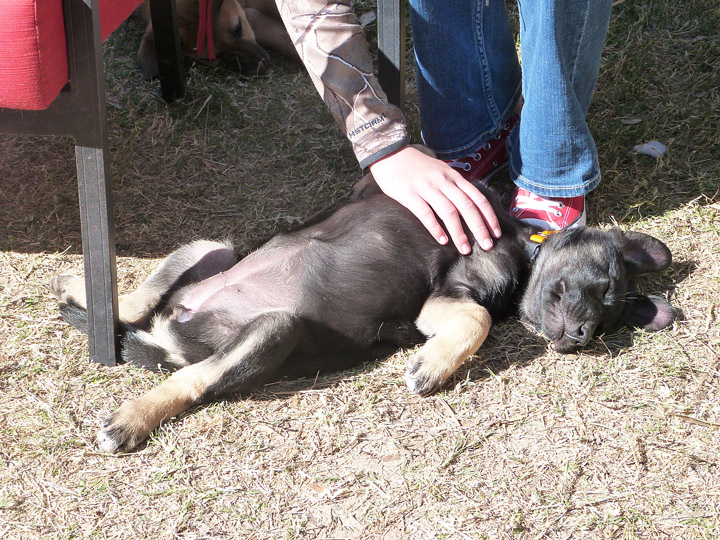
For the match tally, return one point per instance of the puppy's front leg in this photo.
(457, 328)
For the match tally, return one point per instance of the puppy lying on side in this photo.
(324, 296)
(242, 30)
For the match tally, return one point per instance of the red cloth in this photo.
(33, 50)
(33, 54)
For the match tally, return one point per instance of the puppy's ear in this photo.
(147, 57)
(650, 313)
(642, 253)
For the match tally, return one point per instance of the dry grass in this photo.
(620, 441)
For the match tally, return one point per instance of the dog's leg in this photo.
(69, 289)
(255, 355)
(456, 328)
(270, 33)
(70, 292)
(147, 56)
(159, 349)
(191, 263)
(188, 264)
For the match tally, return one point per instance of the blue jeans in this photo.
(469, 81)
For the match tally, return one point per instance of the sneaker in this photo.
(487, 160)
(552, 214)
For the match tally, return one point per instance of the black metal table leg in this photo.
(167, 46)
(391, 43)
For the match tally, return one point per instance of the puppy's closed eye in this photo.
(557, 289)
(607, 292)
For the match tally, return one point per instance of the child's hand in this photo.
(429, 187)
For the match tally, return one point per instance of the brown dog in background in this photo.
(242, 30)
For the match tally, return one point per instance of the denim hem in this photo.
(486, 135)
(546, 190)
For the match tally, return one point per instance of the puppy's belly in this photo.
(264, 280)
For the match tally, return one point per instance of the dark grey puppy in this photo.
(325, 296)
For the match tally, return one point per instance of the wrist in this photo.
(383, 154)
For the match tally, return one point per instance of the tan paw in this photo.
(423, 375)
(68, 289)
(123, 430)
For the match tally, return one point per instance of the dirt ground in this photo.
(618, 441)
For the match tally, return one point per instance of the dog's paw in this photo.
(68, 289)
(421, 376)
(122, 431)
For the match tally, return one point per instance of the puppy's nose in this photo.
(581, 334)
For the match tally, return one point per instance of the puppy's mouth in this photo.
(566, 344)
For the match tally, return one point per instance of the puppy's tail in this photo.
(143, 349)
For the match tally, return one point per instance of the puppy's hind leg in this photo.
(188, 264)
(70, 292)
(253, 357)
(456, 328)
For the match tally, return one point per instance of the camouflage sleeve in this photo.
(331, 44)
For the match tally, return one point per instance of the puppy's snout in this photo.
(580, 335)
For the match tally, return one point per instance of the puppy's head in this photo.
(582, 284)
(233, 38)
